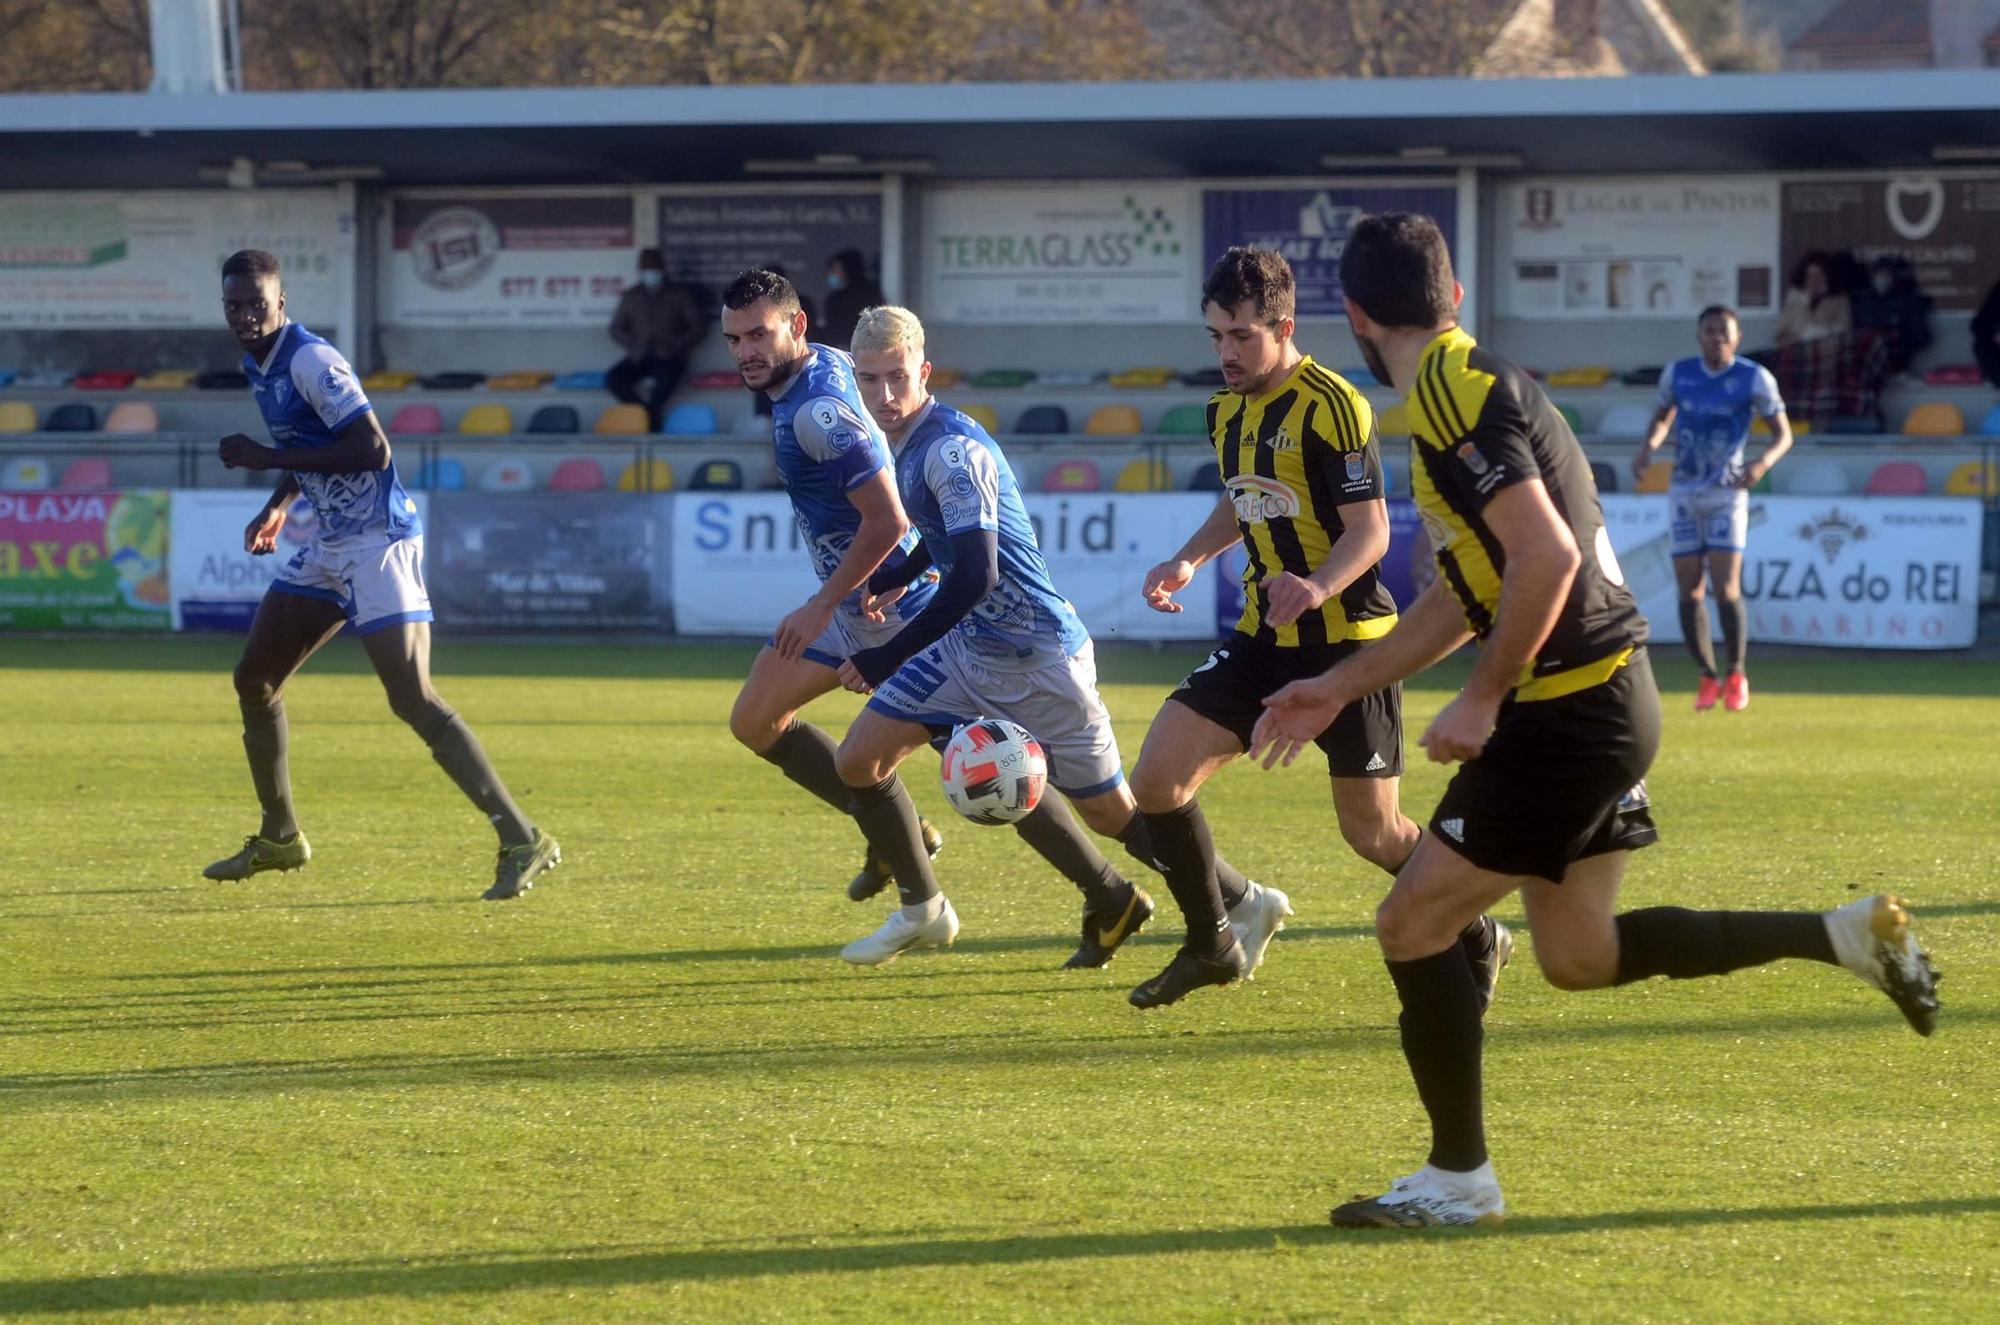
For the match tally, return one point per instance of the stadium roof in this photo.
(627, 135)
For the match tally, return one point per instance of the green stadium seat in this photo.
(1184, 421)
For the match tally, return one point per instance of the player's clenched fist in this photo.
(1164, 581)
(1291, 597)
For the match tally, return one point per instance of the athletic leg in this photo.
(765, 721)
(869, 755)
(1725, 573)
(1694, 613)
(1182, 751)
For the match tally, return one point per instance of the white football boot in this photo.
(1872, 938)
(1429, 1198)
(899, 934)
(1257, 920)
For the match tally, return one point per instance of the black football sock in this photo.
(888, 819)
(1059, 839)
(458, 752)
(267, 741)
(1735, 630)
(805, 754)
(1694, 630)
(1442, 1039)
(1181, 843)
(1685, 945)
(1138, 840)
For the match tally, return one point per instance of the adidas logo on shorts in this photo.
(1376, 763)
(1453, 829)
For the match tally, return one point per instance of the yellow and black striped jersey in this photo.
(1291, 458)
(1479, 425)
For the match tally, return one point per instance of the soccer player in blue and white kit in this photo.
(997, 640)
(362, 567)
(1708, 401)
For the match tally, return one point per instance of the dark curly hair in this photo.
(1397, 269)
(1257, 276)
(761, 283)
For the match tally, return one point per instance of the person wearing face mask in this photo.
(850, 291)
(658, 324)
(1892, 306)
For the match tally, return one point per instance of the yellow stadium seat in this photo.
(1147, 377)
(1974, 478)
(18, 416)
(1761, 426)
(1587, 375)
(1394, 421)
(1934, 418)
(941, 378)
(624, 420)
(647, 476)
(487, 421)
(530, 381)
(1115, 421)
(1656, 477)
(1144, 475)
(984, 415)
(167, 379)
(388, 380)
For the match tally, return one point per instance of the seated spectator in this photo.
(1814, 308)
(852, 290)
(1892, 305)
(1986, 335)
(658, 324)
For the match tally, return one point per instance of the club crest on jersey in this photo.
(1357, 466)
(1258, 499)
(1473, 460)
(1281, 440)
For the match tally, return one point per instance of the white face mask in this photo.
(836, 281)
(652, 280)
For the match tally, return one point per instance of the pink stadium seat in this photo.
(1072, 476)
(417, 420)
(1897, 478)
(86, 472)
(577, 474)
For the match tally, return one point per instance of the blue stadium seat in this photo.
(1990, 426)
(441, 475)
(72, 417)
(1043, 421)
(588, 381)
(691, 420)
(1207, 478)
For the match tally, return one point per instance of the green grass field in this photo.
(649, 1090)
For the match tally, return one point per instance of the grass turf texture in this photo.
(650, 1090)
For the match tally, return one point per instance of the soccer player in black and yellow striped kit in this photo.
(1301, 474)
(1553, 731)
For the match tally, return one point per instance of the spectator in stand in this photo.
(1814, 308)
(1892, 306)
(1986, 335)
(852, 290)
(658, 324)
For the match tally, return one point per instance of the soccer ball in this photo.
(993, 771)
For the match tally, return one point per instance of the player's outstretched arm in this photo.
(883, 525)
(1217, 534)
(975, 571)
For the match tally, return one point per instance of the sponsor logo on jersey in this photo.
(1258, 499)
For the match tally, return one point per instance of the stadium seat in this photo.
(1206, 478)
(1002, 379)
(25, 473)
(1815, 477)
(1072, 476)
(555, 419)
(1205, 377)
(451, 381)
(1042, 421)
(1604, 475)
(86, 472)
(623, 421)
(507, 476)
(1586, 375)
(1974, 478)
(1647, 376)
(132, 416)
(1990, 425)
(590, 379)
(1854, 425)
(18, 416)
(416, 421)
(1183, 421)
(1626, 421)
(1394, 421)
(1068, 378)
(114, 379)
(983, 415)
(1954, 374)
(222, 379)
(1657, 475)
(1761, 426)
(720, 379)
(72, 417)
(487, 421)
(166, 379)
(647, 476)
(579, 473)
(1934, 418)
(388, 380)
(941, 379)
(6, 377)
(443, 474)
(519, 381)
(691, 421)
(1114, 421)
(717, 476)
(1897, 478)
(1142, 377)
(1144, 475)
(1360, 375)
(1572, 418)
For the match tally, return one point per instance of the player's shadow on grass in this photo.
(417, 1277)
